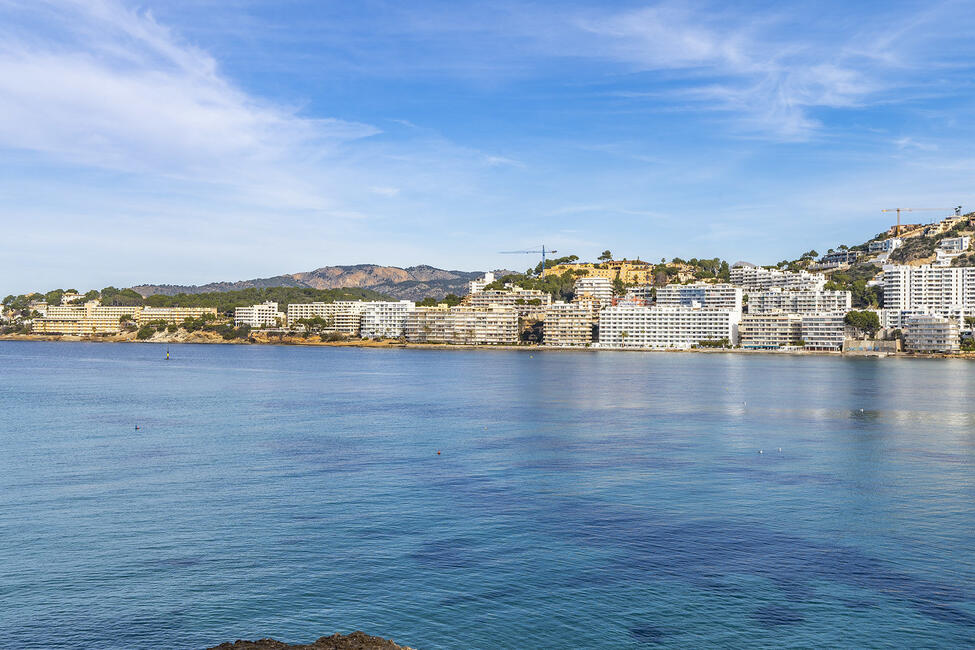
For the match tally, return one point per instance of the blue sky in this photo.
(193, 141)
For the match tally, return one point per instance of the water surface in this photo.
(582, 499)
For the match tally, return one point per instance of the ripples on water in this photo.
(580, 499)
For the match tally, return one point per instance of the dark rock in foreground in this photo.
(355, 641)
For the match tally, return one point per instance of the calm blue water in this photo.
(581, 499)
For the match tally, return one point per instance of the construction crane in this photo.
(899, 210)
(541, 249)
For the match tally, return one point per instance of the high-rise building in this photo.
(630, 325)
(708, 296)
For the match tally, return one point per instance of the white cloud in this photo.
(111, 88)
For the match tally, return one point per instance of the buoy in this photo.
(438, 452)
(761, 451)
(137, 427)
(780, 450)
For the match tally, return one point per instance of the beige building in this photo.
(462, 325)
(770, 331)
(173, 314)
(90, 318)
(568, 324)
(529, 303)
(627, 271)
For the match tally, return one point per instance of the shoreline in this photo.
(208, 338)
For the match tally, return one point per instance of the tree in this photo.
(808, 255)
(606, 255)
(864, 322)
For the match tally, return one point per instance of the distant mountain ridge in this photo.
(411, 283)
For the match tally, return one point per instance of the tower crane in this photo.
(541, 249)
(899, 210)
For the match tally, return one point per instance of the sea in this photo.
(483, 498)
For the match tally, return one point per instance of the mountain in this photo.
(412, 283)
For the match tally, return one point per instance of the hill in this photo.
(412, 283)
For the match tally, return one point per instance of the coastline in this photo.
(210, 338)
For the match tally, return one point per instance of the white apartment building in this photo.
(642, 293)
(385, 320)
(955, 244)
(345, 316)
(708, 296)
(756, 278)
(174, 314)
(630, 325)
(940, 288)
(770, 331)
(529, 303)
(824, 331)
(798, 302)
(476, 286)
(568, 324)
(932, 334)
(259, 316)
(597, 288)
(885, 245)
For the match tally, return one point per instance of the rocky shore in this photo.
(355, 641)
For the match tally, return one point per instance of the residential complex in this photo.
(344, 316)
(758, 278)
(770, 331)
(569, 324)
(824, 332)
(529, 303)
(932, 334)
(385, 320)
(708, 296)
(258, 316)
(626, 271)
(630, 325)
(462, 325)
(798, 302)
(95, 318)
(597, 288)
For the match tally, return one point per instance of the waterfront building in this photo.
(344, 316)
(385, 320)
(90, 318)
(798, 302)
(529, 303)
(597, 288)
(757, 278)
(494, 325)
(462, 325)
(173, 314)
(824, 332)
(428, 325)
(568, 324)
(476, 286)
(708, 296)
(630, 325)
(259, 316)
(770, 331)
(931, 333)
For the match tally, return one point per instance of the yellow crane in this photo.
(899, 210)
